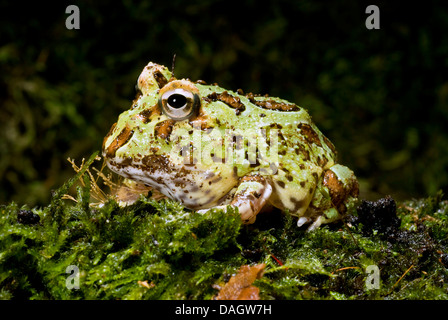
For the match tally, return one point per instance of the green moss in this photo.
(160, 250)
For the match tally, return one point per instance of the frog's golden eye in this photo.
(179, 104)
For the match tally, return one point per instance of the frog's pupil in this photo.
(177, 101)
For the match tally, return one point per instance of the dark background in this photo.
(380, 95)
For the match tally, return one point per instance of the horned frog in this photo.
(205, 147)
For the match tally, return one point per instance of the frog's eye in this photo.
(179, 104)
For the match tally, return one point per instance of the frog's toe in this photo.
(248, 211)
(328, 216)
(316, 224)
(301, 221)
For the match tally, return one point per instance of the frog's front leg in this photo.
(250, 197)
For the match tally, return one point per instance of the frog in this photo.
(209, 148)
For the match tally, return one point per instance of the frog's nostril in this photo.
(122, 138)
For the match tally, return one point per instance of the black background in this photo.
(380, 95)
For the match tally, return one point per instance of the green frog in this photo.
(207, 147)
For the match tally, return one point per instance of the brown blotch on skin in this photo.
(329, 144)
(281, 184)
(126, 162)
(354, 189)
(111, 130)
(122, 138)
(231, 101)
(145, 115)
(271, 104)
(137, 96)
(302, 184)
(300, 150)
(154, 163)
(297, 203)
(310, 135)
(339, 192)
(276, 126)
(254, 177)
(216, 179)
(160, 79)
(336, 188)
(322, 161)
(163, 129)
(200, 120)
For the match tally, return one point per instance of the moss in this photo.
(160, 250)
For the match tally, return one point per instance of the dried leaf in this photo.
(129, 191)
(240, 285)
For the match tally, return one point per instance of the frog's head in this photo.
(165, 109)
(145, 144)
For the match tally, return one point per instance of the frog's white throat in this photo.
(194, 188)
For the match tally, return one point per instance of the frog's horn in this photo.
(172, 66)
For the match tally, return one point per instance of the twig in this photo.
(348, 229)
(345, 268)
(400, 279)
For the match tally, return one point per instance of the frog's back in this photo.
(299, 138)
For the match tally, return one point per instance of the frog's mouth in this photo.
(194, 188)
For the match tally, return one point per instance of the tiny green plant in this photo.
(79, 248)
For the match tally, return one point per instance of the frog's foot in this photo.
(250, 197)
(327, 216)
(313, 226)
(301, 221)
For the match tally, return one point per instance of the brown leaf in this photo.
(129, 192)
(240, 285)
